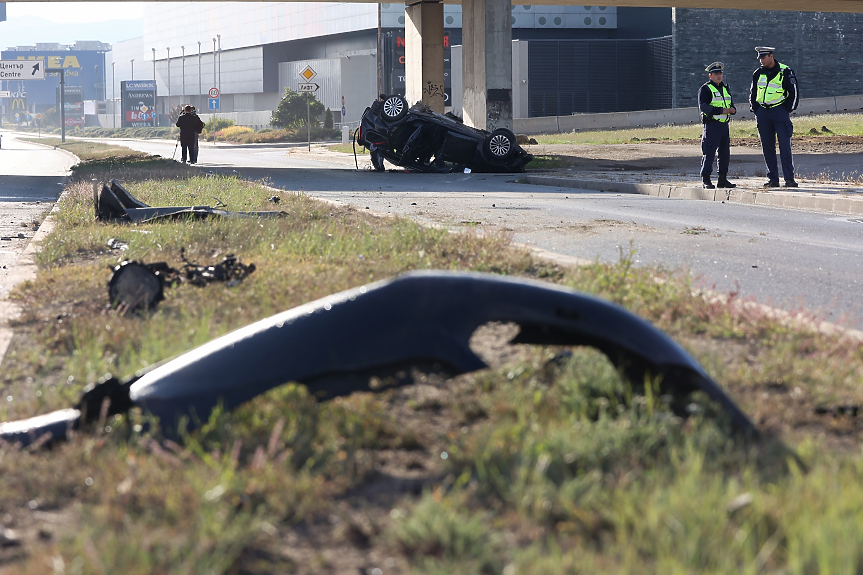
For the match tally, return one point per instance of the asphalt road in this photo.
(790, 259)
(31, 180)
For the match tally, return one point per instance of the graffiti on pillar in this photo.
(434, 90)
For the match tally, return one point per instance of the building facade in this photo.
(825, 49)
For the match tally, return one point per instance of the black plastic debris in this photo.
(381, 336)
(136, 286)
(115, 203)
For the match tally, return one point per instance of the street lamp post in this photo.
(168, 111)
(200, 90)
(219, 85)
(183, 48)
(113, 102)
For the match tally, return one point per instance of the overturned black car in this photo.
(421, 140)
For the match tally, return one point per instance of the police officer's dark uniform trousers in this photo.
(772, 98)
(715, 136)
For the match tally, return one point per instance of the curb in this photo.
(787, 200)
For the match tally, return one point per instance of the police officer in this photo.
(717, 107)
(773, 96)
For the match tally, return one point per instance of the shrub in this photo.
(232, 132)
(328, 120)
(291, 111)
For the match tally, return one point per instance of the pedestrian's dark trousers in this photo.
(194, 150)
(188, 144)
(715, 137)
(775, 124)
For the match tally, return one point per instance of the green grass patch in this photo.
(837, 124)
(349, 149)
(91, 150)
(544, 463)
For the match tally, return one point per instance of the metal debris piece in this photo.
(380, 336)
(115, 203)
(136, 286)
(116, 244)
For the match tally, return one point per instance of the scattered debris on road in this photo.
(382, 336)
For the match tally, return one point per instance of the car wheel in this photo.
(499, 145)
(394, 108)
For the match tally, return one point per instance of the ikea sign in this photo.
(81, 68)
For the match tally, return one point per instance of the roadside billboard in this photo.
(82, 68)
(138, 103)
(74, 106)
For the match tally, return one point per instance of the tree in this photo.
(291, 111)
(328, 120)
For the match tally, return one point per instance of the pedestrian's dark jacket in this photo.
(789, 84)
(705, 96)
(189, 125)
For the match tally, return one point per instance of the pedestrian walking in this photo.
(190, 125)
(717, 107)
(772, 97)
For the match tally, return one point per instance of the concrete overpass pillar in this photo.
(487, 63)
(424, 54)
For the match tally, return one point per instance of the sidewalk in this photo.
(832, 197)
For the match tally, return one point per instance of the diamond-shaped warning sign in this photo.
(308, 73)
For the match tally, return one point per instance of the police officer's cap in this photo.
(715, 67)
(764, 50)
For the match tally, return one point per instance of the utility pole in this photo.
(113, 101)
(200, 89)
(62, 74)
(183, 48)
(168, 111)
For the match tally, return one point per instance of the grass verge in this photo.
(837, 124)
(544, 463)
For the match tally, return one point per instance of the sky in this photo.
(76, 12)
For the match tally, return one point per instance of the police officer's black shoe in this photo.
(791, 184)
(724, 183)
(707, 183)
(771, 184)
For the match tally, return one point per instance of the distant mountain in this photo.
(28, 30)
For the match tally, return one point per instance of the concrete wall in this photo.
(825, 49)
(676, 116)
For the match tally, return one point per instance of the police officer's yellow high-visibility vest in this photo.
(771, 94)
(720, 100)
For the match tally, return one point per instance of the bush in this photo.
(291, 111)
(215, 124)
(232, 132)
(328, 120)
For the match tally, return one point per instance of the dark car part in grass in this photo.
(419, 139)
(114, 203)
(136, 286)
(379, 336)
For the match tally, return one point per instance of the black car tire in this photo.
(394, 108)
(499, 145)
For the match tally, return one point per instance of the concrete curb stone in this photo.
(779, 199)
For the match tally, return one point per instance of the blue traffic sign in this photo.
(214, 103)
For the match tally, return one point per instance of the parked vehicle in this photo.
(421, 140)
